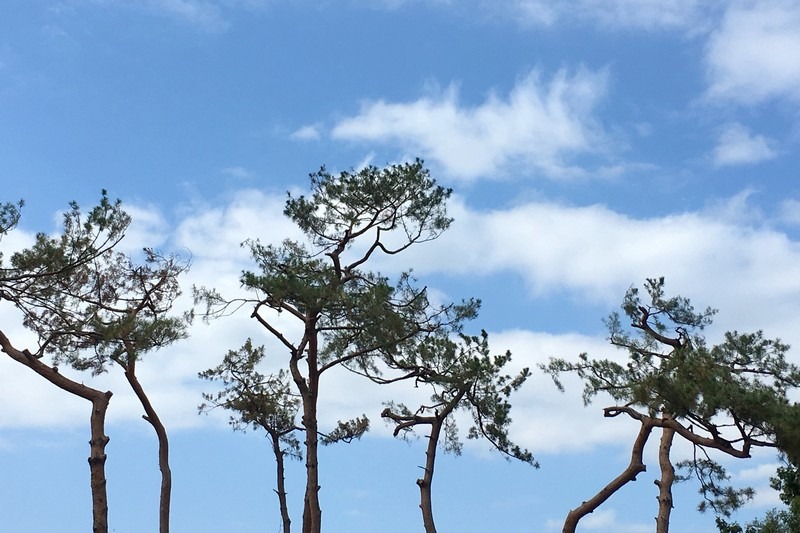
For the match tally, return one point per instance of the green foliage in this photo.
(256, 400)
(716, 493)
(9, 216)
(787, 482)
(371, 201)
(88, 303)
(731, 394)
(346, 431)
(358, 314)
(351, 316)
(463, 376)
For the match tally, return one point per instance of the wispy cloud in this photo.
(590, 252)
(613, 14)
(737, 146)
(237, 172)
(205, 15)
(310, 132)
(755, 53)
(603, 520)
(534, 130)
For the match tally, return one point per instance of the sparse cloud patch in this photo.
(738, 146)
(612, 14)
(310, 132)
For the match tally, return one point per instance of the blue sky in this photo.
(590, 144)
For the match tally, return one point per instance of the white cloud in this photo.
(606, 520)
(534, 130)
(789, 212)
(639, 14)
(755, 54)
(202, 14)
(758, 473)
(603, 520)
(205, 15)
(591, 254)
(737, 146)
(310, 132)
(238, 172)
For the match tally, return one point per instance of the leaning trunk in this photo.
(666, 481)
(97, 444)
(436, 422)
(635, 467)
(163, 445)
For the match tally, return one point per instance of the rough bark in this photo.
(635, 467)
(426, 503)
(666, 481)
(163, 445)
(309, 391)
(281, 481)
(98, 441)
(436, 422)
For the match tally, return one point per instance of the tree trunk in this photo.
(163, 444)
(287, 522)
(281, 481)
(99, 440)
(635, 467)
(97, 462)
(425, 495)
(309, 392)
(666, 481)
(425, 492)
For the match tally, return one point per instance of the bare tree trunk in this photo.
(426, 502)
(635, 467)
(99, 440)
(281, 481)
(436, 422)
(666, 481)
(97, 462)
(312, 513)
(163, 444)
(309, 393)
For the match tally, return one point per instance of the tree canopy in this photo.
(729, 397)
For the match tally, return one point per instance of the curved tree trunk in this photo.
(163, 444)
(99, 440)
(666, 481)
(635, 467)
(436, 422)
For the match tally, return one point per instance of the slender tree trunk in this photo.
(99, 440)
(163, 444)
(281, 480)
(635, 467)
(666, 481)
(309, 393)
(425, 494)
